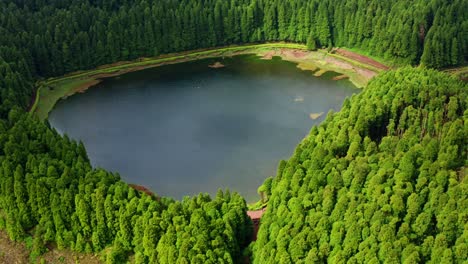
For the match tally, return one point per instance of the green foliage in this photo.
(55, 191)
(311, 43)
(378, 181)
(51, 38)
(400, 198)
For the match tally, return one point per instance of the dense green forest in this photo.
(53, 37)
(49, 189)
(383, 180)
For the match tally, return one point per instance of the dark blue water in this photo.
(186, 128)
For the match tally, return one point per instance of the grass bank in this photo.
(460, 72)
(52, 90)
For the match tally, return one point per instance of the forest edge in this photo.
(358, 68)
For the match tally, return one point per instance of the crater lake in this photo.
(187, 128)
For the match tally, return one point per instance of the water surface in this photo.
(186, 128)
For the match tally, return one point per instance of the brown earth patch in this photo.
(361, 58)
(255, 216)
(16, 253)
(306, 60)
(70, 257)
(85, 86)
(366, 73)
(299, 53)
(340, 63)
(119, 63)
(142, 188)
(340, 77)
(97, 78)
(238, 52)
(216, 65)
(12, 252)
(268, 55)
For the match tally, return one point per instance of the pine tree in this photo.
(454, 52)
(311, 45)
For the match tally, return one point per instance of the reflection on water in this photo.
(187, 128)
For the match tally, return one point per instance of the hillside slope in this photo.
(383, 180)
(55, 37)
(50, 192)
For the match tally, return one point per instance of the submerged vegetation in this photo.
(383, 180)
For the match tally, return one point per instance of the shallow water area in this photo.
(187, 128)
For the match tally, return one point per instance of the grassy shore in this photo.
(52, 90)
(460, 72)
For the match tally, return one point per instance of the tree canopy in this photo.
(383, 180)
(51, 38)
(47, 183)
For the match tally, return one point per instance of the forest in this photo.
(43, 38)
(383, 180)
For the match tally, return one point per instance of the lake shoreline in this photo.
(222, 119)
(49, 92)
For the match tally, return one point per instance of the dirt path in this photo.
(361, 58)
(142, 188)
(17, 253)
(12, 252)
(256, 216)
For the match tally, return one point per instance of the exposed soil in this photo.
(268, 55)
(317, 62)
(366, 73)
(361, 58)
(237, 52)
(17, 253)
(142, 188)
(340, 63)
(460, 72)
(85, 86)
(97, 78)
(119, 63)
(216, 65)
(295, 53)
(12, 252)
(141, 67)
(256, 216)
(340, 77)
(70, 257)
